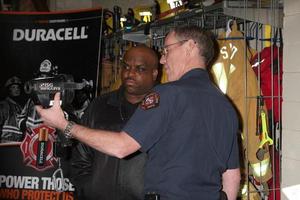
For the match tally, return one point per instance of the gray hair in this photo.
(203, 38)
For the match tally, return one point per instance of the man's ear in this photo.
(191, 45)
(154, 74)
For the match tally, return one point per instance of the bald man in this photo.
(97, 175)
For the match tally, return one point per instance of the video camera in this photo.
(43, 88)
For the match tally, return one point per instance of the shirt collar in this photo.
(196, 72)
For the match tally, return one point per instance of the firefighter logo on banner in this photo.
(37, 148)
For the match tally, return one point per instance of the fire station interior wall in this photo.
(291, 98)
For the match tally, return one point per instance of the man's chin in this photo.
(131, 90)
(135, 91)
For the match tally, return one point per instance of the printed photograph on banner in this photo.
(43, 54)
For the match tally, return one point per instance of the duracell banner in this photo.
(68, 40)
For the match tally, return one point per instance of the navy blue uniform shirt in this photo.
(190, 138)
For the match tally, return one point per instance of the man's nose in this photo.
(131, 72)
(162, 59)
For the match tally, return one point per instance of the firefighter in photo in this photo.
(9, 109)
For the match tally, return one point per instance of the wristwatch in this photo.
(67, 132)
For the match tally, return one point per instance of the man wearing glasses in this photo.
(187, 127)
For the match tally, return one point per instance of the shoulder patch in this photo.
(150, 101)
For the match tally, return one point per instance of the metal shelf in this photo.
(273, 17)
(212, 17)
(209, 16)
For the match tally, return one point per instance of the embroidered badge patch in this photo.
(150, 101)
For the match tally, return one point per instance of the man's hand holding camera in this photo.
(51, 117)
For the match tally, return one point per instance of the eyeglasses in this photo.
(164, 50)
